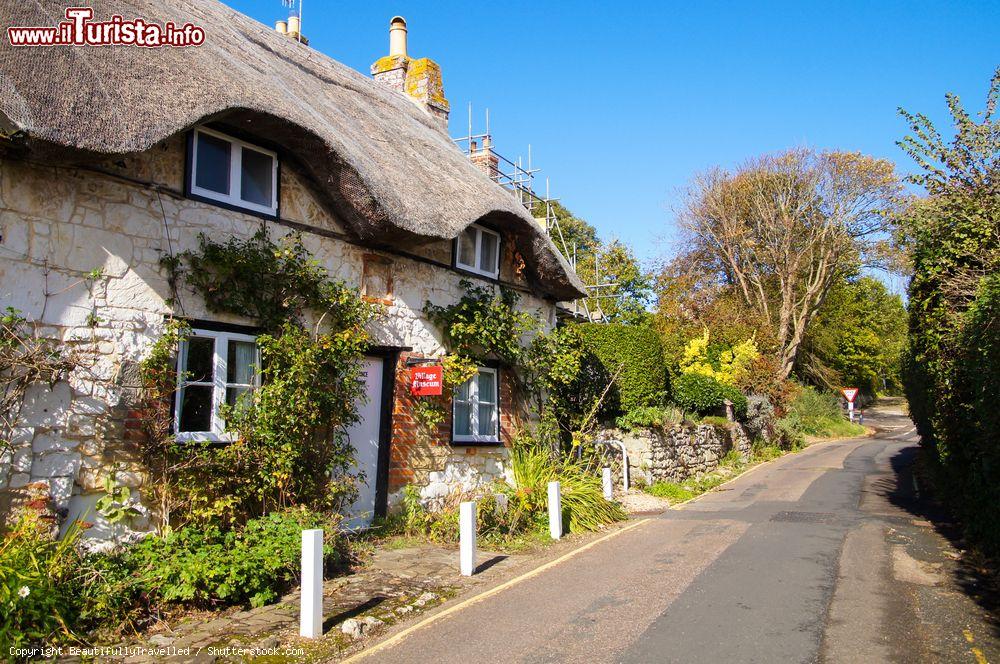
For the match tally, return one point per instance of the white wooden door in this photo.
(364, 438)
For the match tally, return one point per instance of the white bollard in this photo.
(467, 538)
(609, 491)
(555, 511)
(311, 612)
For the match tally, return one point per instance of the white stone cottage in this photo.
(112, 157)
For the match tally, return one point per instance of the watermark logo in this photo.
(79, 30)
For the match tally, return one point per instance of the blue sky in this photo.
(623, 102)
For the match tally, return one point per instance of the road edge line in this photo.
(399, 636)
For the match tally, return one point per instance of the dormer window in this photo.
(478, 250)
(233, 172)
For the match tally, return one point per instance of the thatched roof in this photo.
(379, 161)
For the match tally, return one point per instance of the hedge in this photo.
(635, 355)
(701, 394)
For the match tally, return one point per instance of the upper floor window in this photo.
(478, 250)
(233, 172)
(475, 409)
(213, 368)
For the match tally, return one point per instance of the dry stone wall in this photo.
(675, 454)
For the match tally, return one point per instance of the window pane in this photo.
(486, 424)
(200, 360)
(255, 182)
(463, 419)
(467, 247)
(462, 392)
(212, 169)
(241, 362)
(487, 387)
(196, 408)
(488, 253)
(233, 393)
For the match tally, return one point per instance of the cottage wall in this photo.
(80, 254)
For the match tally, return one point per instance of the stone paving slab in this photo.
(394, 585)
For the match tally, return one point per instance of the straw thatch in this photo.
(379, 161)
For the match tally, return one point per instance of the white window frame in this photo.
(477, 253)
(218, 384)
(474, 402)
(235, 174)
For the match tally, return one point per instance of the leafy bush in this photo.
(634, 355)
(650, 416)
(38, 584)
(726, 364)
(203, 566)
(815, 413)
(699, 393)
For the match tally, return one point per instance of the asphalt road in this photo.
(828, 555)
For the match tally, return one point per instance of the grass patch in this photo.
(675, 493)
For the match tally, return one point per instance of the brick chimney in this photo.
(418, 79)
(484, 158)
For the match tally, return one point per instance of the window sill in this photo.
(478, 273)
(202, 437)
(456, 442)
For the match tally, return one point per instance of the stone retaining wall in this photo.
(675, 454)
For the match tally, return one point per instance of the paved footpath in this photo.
(827, 555)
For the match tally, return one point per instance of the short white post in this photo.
(311, 612)
(555, 511)
(609, 492)
(850, 410)
(467, 537)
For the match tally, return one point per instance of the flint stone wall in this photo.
(675, 454)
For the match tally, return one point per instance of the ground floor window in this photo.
(213, 368)
(476, 409)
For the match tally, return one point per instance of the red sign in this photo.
(425, 381)
(850, 393)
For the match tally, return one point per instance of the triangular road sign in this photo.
(850, 393)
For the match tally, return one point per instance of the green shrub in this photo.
(38, 584)
(699, 393)
(650, 416)
(635, 356)
(716, 421)
(204, 566)
(815, 413)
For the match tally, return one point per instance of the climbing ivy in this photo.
(289, 445)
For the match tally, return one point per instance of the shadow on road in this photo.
(911, 491)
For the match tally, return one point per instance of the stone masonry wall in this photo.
(675, 454)
(80, 256)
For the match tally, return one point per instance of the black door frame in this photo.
(390, 358)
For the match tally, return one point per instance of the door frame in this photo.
(390, 358)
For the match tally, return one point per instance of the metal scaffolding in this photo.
(518, 177)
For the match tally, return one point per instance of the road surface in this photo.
(828, 555)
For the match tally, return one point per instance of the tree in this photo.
(598, 262)
(782, 229)
(856, 339)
